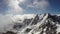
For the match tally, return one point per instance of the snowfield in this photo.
(31, 24)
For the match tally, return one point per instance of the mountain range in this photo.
(40, 24)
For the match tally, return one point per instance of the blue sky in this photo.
(55, 5)
(29, 6)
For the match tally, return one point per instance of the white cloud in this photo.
(42, 4)
(36, 4)
(7, 21)
(19, 6)
(14, 7)
(21, 1)
(22, 17)
(4, 21)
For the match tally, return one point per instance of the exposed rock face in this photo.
(9, 32)
(35, 20)
(41, 24)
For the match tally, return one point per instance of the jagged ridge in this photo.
(41, 24)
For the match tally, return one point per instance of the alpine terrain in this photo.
(40, 24)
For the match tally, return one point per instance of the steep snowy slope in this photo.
(41, 24)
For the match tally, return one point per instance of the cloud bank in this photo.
(4, 21)
(7, 21)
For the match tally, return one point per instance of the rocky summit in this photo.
(40, 24)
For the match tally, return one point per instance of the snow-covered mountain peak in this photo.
(40, 24)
